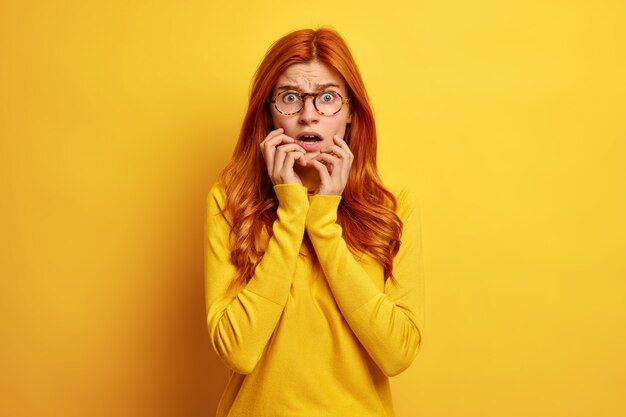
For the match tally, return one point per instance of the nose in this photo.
(308, 114)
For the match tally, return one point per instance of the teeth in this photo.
(309, 137)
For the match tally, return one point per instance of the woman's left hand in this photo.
(333, 165)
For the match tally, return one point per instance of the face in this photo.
(309, 128)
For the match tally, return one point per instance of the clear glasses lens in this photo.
(326, 102)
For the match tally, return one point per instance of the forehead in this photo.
(310, 76)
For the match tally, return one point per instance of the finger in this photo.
(281, 152)
(339, 152)
(289, 162)
(285, 174)
(269, 148)
(343, 145)
(266, 151)
(271, 144)
(327, 157)
(302, 160)
(289, 147)
(279, 157)
(269, 138)
(339, 169)
(347, 160)
(272, 134)
(323, 172)
(330, 160)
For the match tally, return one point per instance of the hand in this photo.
(281, 152)
(333, 165)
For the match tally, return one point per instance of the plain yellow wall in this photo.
(505, 119)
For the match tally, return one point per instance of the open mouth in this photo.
(309, 138)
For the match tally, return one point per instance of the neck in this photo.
(309, 177)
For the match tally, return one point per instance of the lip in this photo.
(310, 147)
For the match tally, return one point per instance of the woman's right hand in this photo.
(281, 152)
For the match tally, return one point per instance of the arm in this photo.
(240, 327)
(388, 323)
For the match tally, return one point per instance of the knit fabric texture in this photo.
(302, 341)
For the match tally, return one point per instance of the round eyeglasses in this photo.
(327, 103)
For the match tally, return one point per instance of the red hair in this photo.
(366, 212)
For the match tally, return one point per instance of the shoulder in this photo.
(216, 196)
(216, 202)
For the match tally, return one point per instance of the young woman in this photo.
(314, 284)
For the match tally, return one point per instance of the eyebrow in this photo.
(317, 86)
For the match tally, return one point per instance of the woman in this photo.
(313, 301)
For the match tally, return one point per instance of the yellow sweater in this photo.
(301, 343)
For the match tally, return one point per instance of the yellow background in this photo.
(505, 118)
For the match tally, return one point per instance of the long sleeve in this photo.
(240, 327)
(388, 322)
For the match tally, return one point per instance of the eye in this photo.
(328, 96)
(291, 97)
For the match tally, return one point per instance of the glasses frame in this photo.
(303, 96)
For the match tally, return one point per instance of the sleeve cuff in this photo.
(322, 211)
(292, 196)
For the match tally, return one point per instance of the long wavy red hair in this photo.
(366, 212)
